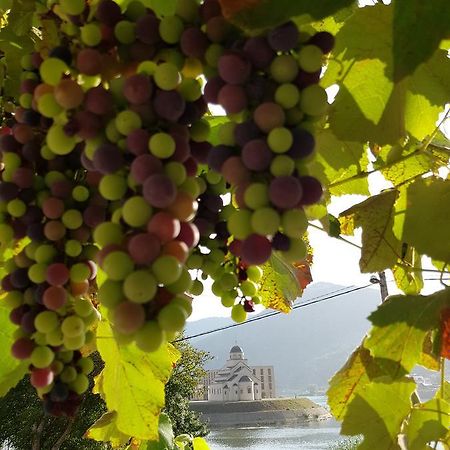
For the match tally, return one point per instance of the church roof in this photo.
(236, 349)
(245, 378)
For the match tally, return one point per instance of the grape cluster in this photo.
(45, 199)
(268, 86)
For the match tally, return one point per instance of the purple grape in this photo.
(218, 155)
(256, 155)
(169, 105)
(147, 29)
(19, 278)
(99, 101)
(194, 42)
(233, 98)
(137, 89)
(108, 12)
(324, 40)
(144, 166)
(159, 190)
(245, 132)
(281, 242)
(305, 79)
(312, 190)
(107, 158)
(212, 88)
(9, 144)
(8, 191)
(259, 52)
(200, 151)
(303, 144)
(285, 192)
(94, 215)
(284, 37)
(233, 68)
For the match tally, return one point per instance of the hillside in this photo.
(305, 347)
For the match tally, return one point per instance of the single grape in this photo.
(140, 286)
(238, 313)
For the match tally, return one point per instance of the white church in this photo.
(237, 381)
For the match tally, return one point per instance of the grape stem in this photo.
(337, 237)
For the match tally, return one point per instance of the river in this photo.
(319, 435)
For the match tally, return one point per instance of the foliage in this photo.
(393, 81)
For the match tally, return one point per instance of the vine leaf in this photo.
(380, 248)
(166, 437)
(199, 444)
(400, 326)
(411, 46)
(261, 14)
(369, 105)
(11, 369)
(356, 373)
(105, 430)
(407, 274)
(428, 422)
(338, 161)
(428, 204)
(132, 383)
(377, 419)
(428, 358)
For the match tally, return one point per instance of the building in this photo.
(238, 381)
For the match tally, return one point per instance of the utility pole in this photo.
(381, 280)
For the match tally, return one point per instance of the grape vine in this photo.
(121, 193)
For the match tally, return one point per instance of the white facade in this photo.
(237, 381)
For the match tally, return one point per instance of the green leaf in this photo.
(407, 274)
(377, 412)
(261, 14)
(132, 383)
(200, 444)
(166, 437)
(215, 123)
(356, 373)
(380, 248)
(427, 423)
(418, 30)
(20, 19)
(369, 105)
(105, 430)
(11, 369)
(338, 164)
(428, 205)
(400, 326)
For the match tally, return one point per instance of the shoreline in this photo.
(260, 413)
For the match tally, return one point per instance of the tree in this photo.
(109, 153)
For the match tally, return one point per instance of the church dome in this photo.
(236, 349)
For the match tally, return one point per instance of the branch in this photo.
(64, 435)
(38, 434)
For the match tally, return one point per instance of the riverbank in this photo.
(261, 413)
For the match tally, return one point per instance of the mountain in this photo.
(305, 347)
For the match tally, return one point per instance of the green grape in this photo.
(117, 265)
(80, 385)
(42, 357)
(256, 195)
(110, 293)
(183, 284)
(79, 272)
(284, 68)
(166, 76)
(184, 302)
(13, 299)
(280, 140)
(238, 313)
(48, 106)
(91, 319)
(199, 130)
(91, 34)
(294, 223)
(140, 286)
(37, 273)
(55, 338)
(75, 342)
(229, 298)
(40, 338)
(80, 193)
(310, 58)
(254, 273)
(196, 288)
(297, 251)
(294, 116)
(46, 321)
(213, 54)
(162, 145)
(265, 221)
(73, 248)
(172, 318)
(108, 233)
(136, 212)
(83, 307)
(213, 177)
(72, 7)
(128, 121)
(257, 299)
(112, 187)
(190, 89)
(314, 100)
(16, 208)
(124, 31)
(228, 281)
(58, 141)
(287, 95)
(217, 289)
(11, 160)
(66, 356)
(282, 165)
(177, 173)
(147, 67)
(26, 100)
(111, 132)
(72, 219)
(239, 223)
(57, 367)
(69, 374)
(248, 288)
(86, 365)
(167, 269)
(52, 70)
(194, 261)
(150, 337)
(170, 29)
(72, 326)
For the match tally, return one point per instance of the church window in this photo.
(269, 371)
(242, 391)
(249, 390)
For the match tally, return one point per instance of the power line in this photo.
(314, 300)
